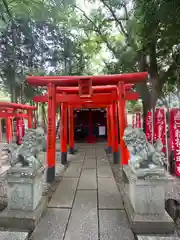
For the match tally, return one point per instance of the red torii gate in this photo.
(110, 113)
(9, 110)
(85, 84)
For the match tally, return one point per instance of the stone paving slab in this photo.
(102, 158)
(13, 235)
(90, 152)
(100, 155)
(103, 163)
(146, 237)
(104, 171)
(93, 157)
(88, 179)
(64, 194)
(114, 225)
(73, 170)
(83, 223)
(52, 226)
(89, 163)
(109, 195)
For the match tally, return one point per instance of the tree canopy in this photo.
(103, 36)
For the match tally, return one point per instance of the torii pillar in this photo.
(114, 133)
(71, 129)
(122, 121)
(30, 118)
(51, 138)
(9, 129)
(109, 137)
(63, 133)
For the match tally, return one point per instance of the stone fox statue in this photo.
(32, 144)
(143, 154)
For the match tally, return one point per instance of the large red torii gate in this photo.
(85, 85)
(94, 104)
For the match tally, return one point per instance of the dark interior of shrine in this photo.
(90, 124)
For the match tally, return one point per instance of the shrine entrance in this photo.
(90, 125)
(72, 92)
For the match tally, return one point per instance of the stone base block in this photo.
(144, 201)
(16, 219)
(148, 224)
(24, 193)
(147, 196)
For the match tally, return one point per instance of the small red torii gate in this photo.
(85, 86)
(9, 110)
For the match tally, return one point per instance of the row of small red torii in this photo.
(10, 110)
(68, 92)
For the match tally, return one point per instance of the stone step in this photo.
(13, 235)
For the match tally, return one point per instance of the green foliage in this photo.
(143, 38)
(40, 37)
(59, 38)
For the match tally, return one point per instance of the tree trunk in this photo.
(142, 88)
(13, 94)
(145, 111)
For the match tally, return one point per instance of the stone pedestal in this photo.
(24, 192)
(25, 201)
(145, 203)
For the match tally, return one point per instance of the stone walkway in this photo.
(87, 203)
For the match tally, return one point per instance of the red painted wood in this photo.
(85, 87)
(114, 128)
(109, 135)
(122, 123)
(71, 127)
(96, 80)
(30, 119)
(9, 130)
(6, 115)
(63, 127)
(130, 96)
(51, 138)
(95, 89)
(103, 98)
(96, 99)
(16, 106)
